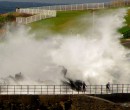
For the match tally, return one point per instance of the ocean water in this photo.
(11, 6)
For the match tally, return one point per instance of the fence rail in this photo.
(61, 89)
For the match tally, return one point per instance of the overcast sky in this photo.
(60, 1)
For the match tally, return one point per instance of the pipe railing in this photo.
(61, 89)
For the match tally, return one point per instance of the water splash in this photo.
(95, 57)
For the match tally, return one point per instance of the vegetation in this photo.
(126, 29)
(6, 18)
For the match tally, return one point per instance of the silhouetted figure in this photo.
(19, 76)
(108, 87)
(64, 71)
(84, 86)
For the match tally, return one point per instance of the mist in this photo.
(95, 56)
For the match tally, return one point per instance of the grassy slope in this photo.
(67, 21)
(60, 24)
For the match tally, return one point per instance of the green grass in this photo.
(66, 22)
(60, 24)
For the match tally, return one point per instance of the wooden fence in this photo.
(38, 14)
(61, 89)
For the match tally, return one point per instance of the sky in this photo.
(60, 1)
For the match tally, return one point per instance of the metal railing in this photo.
(61, 89)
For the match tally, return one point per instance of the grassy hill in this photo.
(66, 22)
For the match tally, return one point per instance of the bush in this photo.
(2, 19)
(126, 34)
(10, 17)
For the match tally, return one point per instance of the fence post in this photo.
(82, 7)
(76, 6)
(65, 7)
(103, 5)
(60, 8)
(87, 6)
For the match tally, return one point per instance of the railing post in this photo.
(21, 90)
(101, 89)
(112, 88)
(0, 89)
(95, 89)
(41, 89)
(66, 89)
(27, 89)
(127, 88)
(54, 90)
(90, 89)
(117, 88)
(122, 88)
(60, 89)
(7, 89)
(47, 89)
(34, 89)
(14, 89)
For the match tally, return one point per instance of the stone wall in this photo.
(62, 102)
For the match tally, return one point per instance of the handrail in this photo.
(61, 89)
